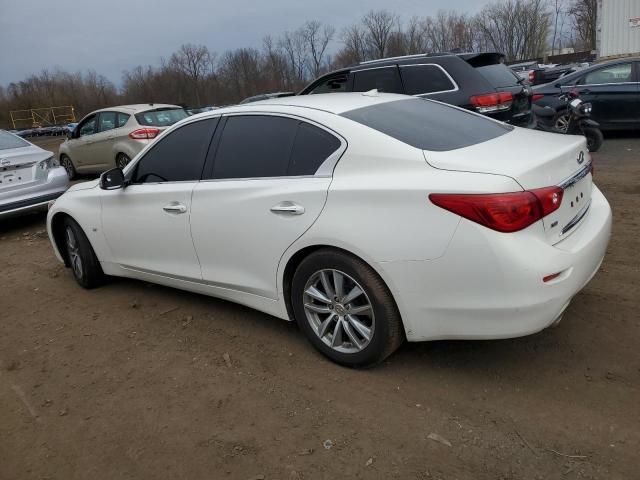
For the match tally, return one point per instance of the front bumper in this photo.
(35, 196)
(489, 285)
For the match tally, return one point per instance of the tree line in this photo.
(196, 76)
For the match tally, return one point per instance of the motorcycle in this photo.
(571, 116)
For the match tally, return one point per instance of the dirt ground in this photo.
(132, 381)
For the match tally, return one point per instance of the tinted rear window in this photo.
(428, 125)
(498, 75)
(8, 140)
(419, 79)
(161, 117)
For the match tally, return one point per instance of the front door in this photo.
(81, 148)
(147, 223)
(266, 187)
(613, 92)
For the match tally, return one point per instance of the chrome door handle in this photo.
(175, 208)
(289, 208)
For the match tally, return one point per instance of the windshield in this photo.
(161, 117)
(8, 141)
(498, 75)
(428, 125)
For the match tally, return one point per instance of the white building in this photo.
(618, 28)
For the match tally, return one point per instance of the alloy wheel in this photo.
(562, 123)
(339, 311)
(68, 166)
(74, 252)
(122, 161)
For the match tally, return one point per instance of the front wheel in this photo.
(594, 138)
(68, 166)
(81, 257)
(345, 309)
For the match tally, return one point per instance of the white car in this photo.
(29, 176)
(367, 218)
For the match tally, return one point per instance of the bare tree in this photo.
(293, 45)
(378, 26)
(317, 37)
(355, 46)
(194, 62)
(583, 15)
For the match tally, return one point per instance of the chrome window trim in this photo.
(575, 220)
(372, 68)
(453, 82)
(576, 177)
(604, 84)
(325, 170)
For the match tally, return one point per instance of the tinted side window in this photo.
(613, 74)
(420, 79)
(177, 157)
(385, 79)
(122, 119)
(311, 148)
(88, 127)
(336, 83)
(255, 146)
(106, 121)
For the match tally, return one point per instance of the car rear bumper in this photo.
(490, 285)
(35, 197)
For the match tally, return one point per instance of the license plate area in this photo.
(15, 176)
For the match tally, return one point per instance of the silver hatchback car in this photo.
(111, 137)
(29, 176)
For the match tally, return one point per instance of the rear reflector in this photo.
(145, 133)
(492, 102)
(537, 97)
(553, 276)
(503, 212)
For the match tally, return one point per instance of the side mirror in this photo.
(112, 179)
(69, 134)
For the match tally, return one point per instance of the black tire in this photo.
(594, 138)
(122, 160)
(82, 259)
(388, 331)
(68, 166)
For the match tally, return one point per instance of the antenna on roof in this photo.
(371, 93)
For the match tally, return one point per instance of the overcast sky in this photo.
(115, 35)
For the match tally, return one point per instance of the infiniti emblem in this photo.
(580, 158)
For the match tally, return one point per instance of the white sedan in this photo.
(367, 218)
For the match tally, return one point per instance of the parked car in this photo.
(479, 82)
(529, 71)
(113, 136)
(266, 96)
(612, 88)
(29, 176)
(365, 217)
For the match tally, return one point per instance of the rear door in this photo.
(384, 79)
(265, 187)
(613, 93)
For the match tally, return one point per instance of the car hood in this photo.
(22, 156)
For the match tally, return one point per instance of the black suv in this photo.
(476, 81)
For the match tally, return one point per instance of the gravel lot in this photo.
(138, 381)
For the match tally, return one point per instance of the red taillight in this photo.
(503, 212)
(553, 276)
(146, 133)
(537, 97)
(492, 102)
(532, 77)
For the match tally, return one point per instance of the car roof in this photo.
(596, 66)
(140, 107)
(328, 102)
(336, 103)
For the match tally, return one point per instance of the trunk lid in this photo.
(555, 159)
(18, 166)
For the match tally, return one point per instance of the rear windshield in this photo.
(498, 75)
(8, 140)
(161, 117)
(428, 125)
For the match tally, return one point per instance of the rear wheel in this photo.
(345, 309)
(82, 259)
(68, 166)
(594, 138)
(122, 160)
